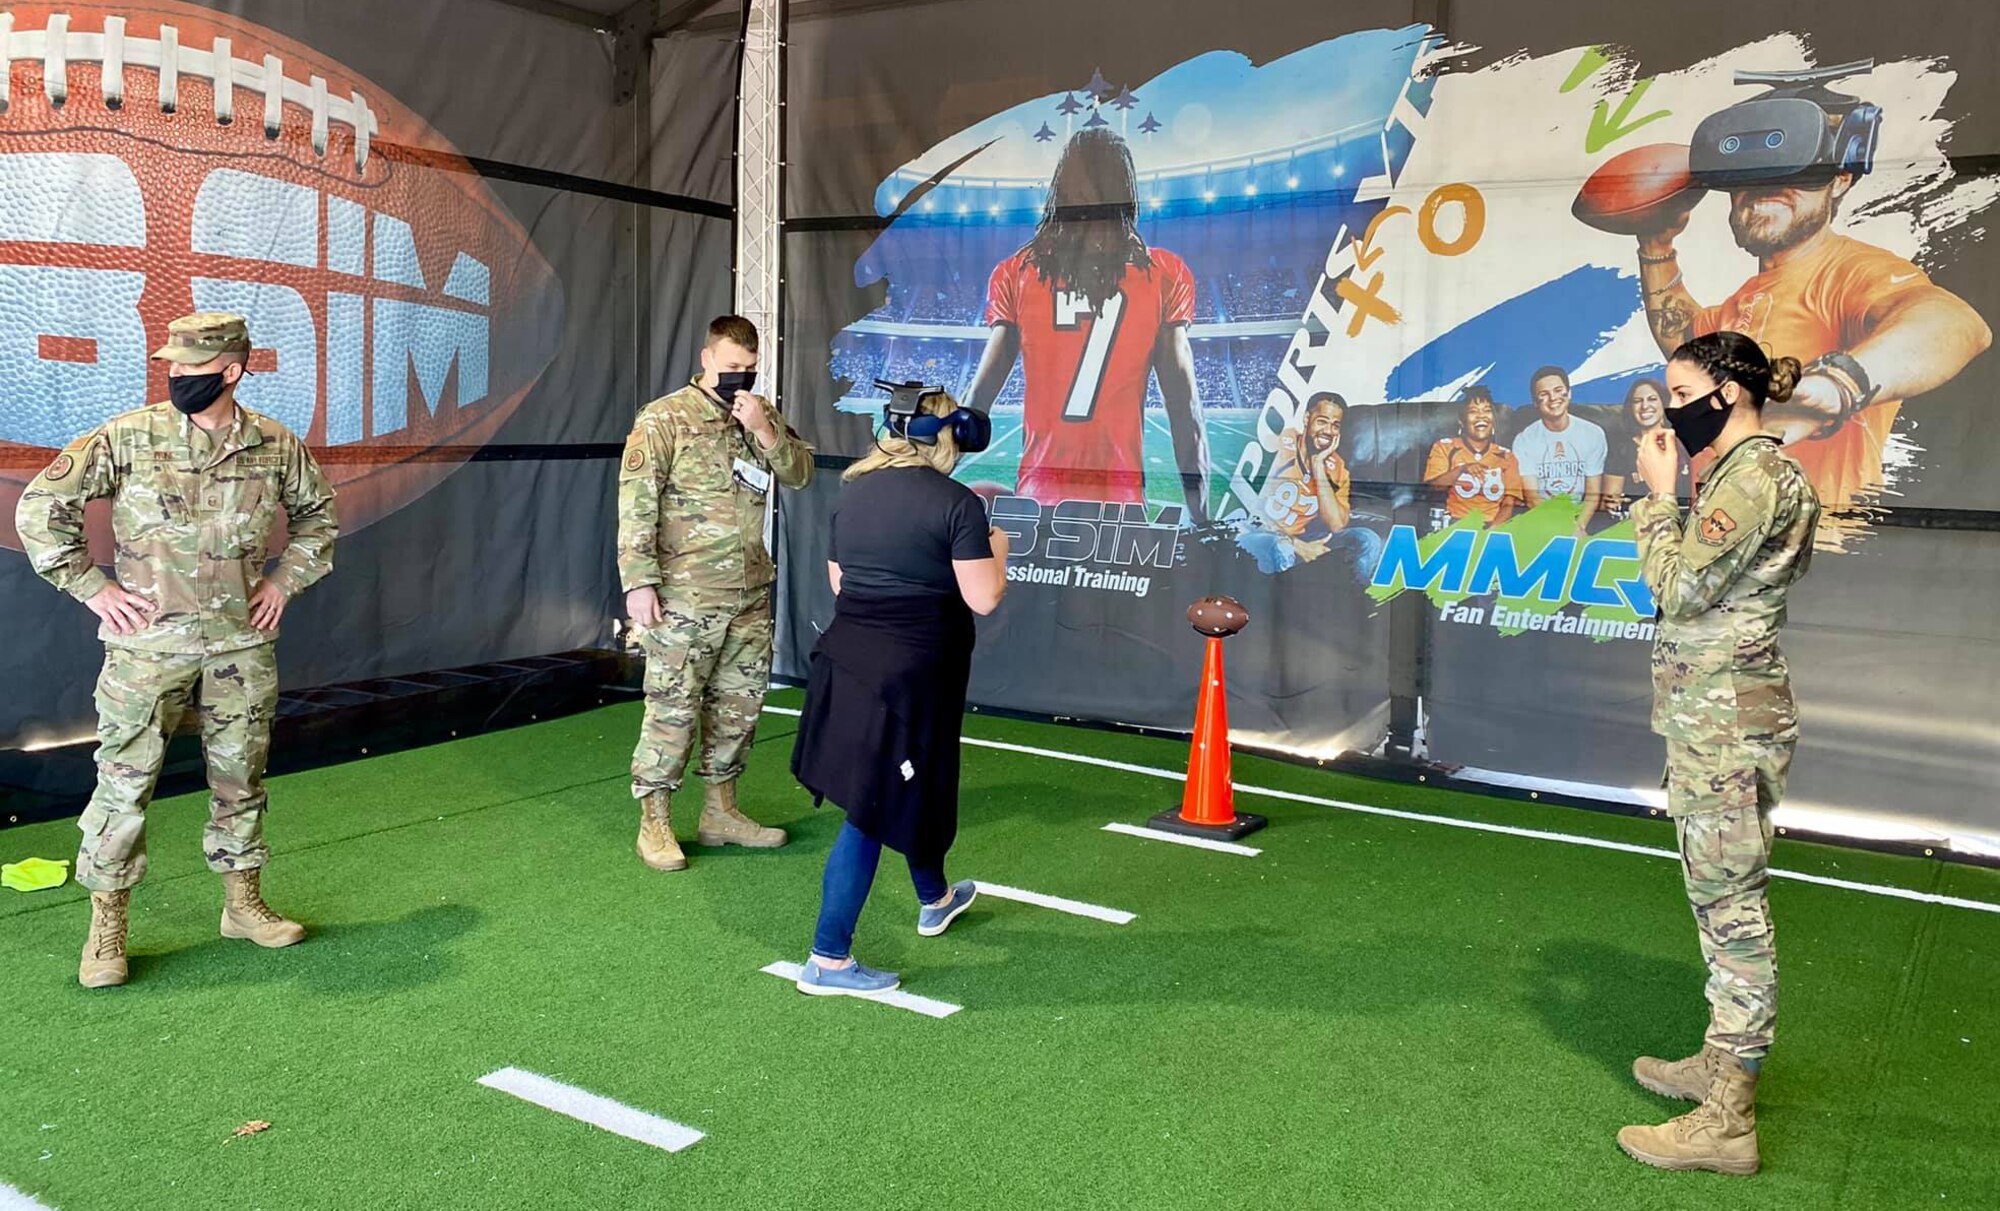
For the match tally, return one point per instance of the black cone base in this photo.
(1170, 821)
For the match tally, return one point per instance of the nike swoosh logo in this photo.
(1897, 279)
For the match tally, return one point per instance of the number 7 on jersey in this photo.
(1071, 308)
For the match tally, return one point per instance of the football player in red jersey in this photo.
(1091, 311)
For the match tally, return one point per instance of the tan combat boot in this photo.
(103, 963)
(722, 824)
(1718, 1135)
(245, 915)
(1687, 1079)
(657, 847)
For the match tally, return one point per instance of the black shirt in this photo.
(896, 532)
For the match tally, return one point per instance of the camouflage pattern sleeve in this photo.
(1691, 568)
(50, 515)
(313, 523)
(642, 477)
(791, 460)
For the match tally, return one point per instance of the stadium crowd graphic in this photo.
(1249, 214)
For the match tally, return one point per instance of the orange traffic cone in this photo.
(1208, 804)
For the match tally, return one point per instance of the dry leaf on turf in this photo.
(253, 1127)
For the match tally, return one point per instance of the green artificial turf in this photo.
(1374, 1013)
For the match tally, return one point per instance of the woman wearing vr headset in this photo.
(912, 559)
(1722, 697)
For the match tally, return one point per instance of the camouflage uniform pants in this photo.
(1722, 798)
(708, 661)
(141, 699)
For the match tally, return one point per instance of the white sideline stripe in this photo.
(588, 1107)
(1475, 825)
(900, 999)
(1535, 834)
(1154, 834)
(13, 1200)
(1117, 916)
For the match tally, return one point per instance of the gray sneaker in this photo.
(857, 979)
(933, 921)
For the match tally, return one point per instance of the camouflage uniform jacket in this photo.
(686, 520)
(1721, 585)
(191, 534)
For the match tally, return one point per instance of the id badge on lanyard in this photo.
(752, 476)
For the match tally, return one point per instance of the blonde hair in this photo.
(893, 451)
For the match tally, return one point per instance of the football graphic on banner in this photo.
(1634, 191)
(159, 158)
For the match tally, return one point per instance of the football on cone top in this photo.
(1218, 616)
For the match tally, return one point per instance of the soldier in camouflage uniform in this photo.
(1722, 697)
(195, 483)
(691, 497)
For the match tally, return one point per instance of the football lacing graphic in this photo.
(56, 47)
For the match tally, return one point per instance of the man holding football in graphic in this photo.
(1091, 312)
(1869, 325)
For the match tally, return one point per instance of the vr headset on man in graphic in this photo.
(1800, 132)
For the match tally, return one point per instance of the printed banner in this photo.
(410, 307)
(1365, 328)
(1176, 294)
(394, 300)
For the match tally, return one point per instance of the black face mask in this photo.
(191, 393)
(729, 382)
(1697, 425)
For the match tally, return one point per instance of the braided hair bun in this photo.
(1784, 376)
(1735, 358)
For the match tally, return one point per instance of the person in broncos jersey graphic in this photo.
(1474, 473)
(1091, 311)
(1307, 508)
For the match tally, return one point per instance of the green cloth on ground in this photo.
(34, 874)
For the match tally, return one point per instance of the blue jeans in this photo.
(1357, 547)
(850, 871)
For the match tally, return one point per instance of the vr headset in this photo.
(1800, 132)
(905, 417)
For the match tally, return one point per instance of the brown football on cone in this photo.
(1218, 616)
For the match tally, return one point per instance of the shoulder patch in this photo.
(635, 456)
(61, 469)
(1716, 528)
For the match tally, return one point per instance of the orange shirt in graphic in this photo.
(1816, 304)
(1291, 499)
(1488, 481)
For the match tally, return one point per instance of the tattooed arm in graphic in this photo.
(1671, 312)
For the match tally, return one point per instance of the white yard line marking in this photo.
(1154, 834)
(588, 1107)
(898, 998)
(1475, 825)
(13, 1200)
(1533, 834)
(1077, 908)
(993, 446)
